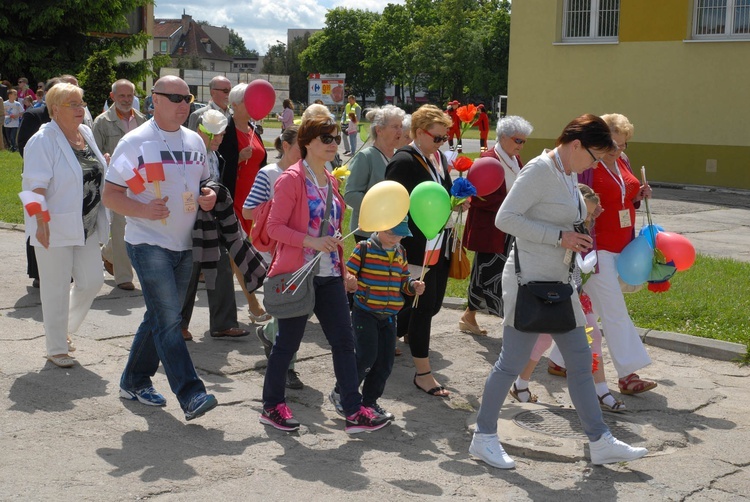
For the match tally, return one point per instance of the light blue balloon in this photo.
(635, 261)
(646, 230)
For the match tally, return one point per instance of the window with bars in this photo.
(591, 20)
(721, 19)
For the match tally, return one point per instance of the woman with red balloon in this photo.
(495, 171)
(621, 194)
(244, 154)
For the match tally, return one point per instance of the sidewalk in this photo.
(65, 434)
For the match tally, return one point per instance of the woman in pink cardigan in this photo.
(295, 222)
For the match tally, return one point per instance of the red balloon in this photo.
(259, 99)
(676, 248)
(487, 175)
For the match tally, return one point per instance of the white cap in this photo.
(214, 121)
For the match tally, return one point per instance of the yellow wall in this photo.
(689, 101)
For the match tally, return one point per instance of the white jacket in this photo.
(49, 162)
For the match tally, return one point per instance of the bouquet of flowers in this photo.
(461, 191)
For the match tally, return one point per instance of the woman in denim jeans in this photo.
(295, 221)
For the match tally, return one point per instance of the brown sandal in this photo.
(618, 407)
(554, 369)
(515, 391)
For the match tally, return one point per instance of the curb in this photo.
(676, 342)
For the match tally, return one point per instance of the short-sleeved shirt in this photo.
(179, 178)
(262, 190)
(610, 236)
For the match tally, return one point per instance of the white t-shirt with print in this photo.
(179, 178)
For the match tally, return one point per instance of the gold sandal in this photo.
(471, 328)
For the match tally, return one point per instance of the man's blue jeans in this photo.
(164, 277)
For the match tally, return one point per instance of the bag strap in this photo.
(518, 264)
(329, 199)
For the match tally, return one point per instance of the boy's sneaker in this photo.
(487, 448)
(608, 450)
(379, 411)
(279, 417)
(292, 380)
(147, 396)
(267, 344)
(335, 400)
(199, 405)
(364, 421)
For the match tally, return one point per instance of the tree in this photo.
(43, 40)
(97, 78)
(236, 46)
(275, 60)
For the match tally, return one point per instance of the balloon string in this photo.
(651, 229)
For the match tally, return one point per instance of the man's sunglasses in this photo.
(327, 139)
(436, 139)
(177, 98)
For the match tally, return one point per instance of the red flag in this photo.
(154, 172)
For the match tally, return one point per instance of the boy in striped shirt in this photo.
(379, 274)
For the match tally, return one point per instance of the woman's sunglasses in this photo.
(436, 139)
(327, 139)
(177, 98)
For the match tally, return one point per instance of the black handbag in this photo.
(543, 306)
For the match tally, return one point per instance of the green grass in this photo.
(10, 184)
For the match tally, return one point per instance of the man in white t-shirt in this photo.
(160, 218)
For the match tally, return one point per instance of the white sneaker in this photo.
(608, 450)
(487, 448)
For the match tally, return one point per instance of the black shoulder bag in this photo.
(543, 306)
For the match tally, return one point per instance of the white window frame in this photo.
(163, 46)
(593, 25)
(729, 34)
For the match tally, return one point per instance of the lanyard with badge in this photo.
(571, 186)
(188, 198)
(624, 213)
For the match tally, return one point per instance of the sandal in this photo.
(473, 329)
(618, 407)
(632, 384)
(186, 335)
(265, 316)
(71, 345)
(397, 352)
(515, 391)
(433, 391)
(554, 369)
(62, 361)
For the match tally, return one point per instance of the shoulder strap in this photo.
(518, 265)
(363, 258)
(329, 198)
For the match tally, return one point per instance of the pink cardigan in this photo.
(289, 220)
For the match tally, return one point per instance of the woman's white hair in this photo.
(379, 117)
(513, 125)
(237, 95)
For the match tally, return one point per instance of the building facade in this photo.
(184, 39)
(678, 69)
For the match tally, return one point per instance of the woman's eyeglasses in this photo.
(177, 98)
(74, 105)
(436, 139)
(622, 147)
(518, 141)
(327, 139)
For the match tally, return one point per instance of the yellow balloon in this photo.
(383, 207)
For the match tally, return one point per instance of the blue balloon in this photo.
(635, 261)
(647, 231)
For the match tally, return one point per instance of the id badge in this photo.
(624, 218)
(188, 202)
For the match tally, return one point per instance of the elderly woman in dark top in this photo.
(368, 166)
(411, 165)
(482, 236)
(541, 211)
(64, 165)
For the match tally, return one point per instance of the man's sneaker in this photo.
(280, 417)
(335, 400)
(379, 411)
(364, 421)
(487, 448)
(199, 405)
(292, 380)
(267, 344)
(147, 396)
(608, 450)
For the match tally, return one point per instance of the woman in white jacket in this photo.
(64, 165)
